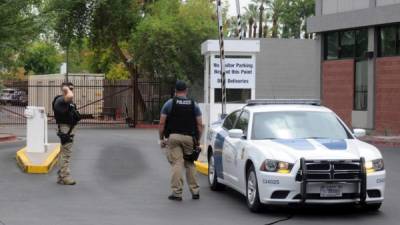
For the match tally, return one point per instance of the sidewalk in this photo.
(383, 141)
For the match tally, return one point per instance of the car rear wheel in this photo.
(212, 175)
(252, 194)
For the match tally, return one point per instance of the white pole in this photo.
(239, 20)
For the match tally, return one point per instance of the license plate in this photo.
(331, 191)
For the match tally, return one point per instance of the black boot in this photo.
(174, 198)
(196, 196)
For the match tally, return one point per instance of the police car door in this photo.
(235, 149)
(227, 148)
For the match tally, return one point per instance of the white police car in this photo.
(294, 151)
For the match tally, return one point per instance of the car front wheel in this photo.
(252, 194)
(212, 175)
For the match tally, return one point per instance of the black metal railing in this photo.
(101, 102)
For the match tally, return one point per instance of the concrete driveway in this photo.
(123, 178)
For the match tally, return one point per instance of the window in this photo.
(352, 44)
(233, 95)
(230, 120)
(243, 122)
(332, 46)
(346, 44)
(361, 43)
(389, 41)
(361, 86)
(297, 125)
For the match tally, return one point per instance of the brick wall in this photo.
(387, 109)
(338, 87)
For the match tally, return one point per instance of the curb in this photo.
(147, 126)
(201, 167)
(45, 166)
(8, 137)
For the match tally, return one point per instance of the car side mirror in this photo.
(235, 133)
(359, 132)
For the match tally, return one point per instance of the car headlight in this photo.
(276, 166)
(374, 165)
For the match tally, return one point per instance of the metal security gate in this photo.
(102, 103)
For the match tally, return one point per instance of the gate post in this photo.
(135, 93)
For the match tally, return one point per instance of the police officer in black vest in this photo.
(67, 117)
(180, 129)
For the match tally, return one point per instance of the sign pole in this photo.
(239, 20)
(222, 57)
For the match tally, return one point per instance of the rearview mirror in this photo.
(235, 133)
(359, 132)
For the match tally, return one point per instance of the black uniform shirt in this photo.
(61, 108)
(60, 105)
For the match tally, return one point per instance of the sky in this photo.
(232, 8)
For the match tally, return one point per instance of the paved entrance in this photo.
(123, 179)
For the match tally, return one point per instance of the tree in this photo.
(117, 72)
(19, 25)
(291, 20)
(294, 16)
(166, 43)
(107, 24)
(251, 15)
(307, 9)
(261, 15)
(276, 8)
(41, 58)
(232, 27)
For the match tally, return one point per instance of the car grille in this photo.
(314, 196)
(331, 170)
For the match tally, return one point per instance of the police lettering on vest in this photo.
(182, 118)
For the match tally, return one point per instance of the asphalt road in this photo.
(123, 178)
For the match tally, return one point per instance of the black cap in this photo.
(180, 85)
(67, 84)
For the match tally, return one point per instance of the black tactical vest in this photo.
(182, 119)
(71, 116)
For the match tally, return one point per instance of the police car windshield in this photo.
(297, 125)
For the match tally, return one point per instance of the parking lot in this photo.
(123, 178)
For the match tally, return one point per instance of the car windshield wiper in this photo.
(269, 138)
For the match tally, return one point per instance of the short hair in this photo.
(67, 84)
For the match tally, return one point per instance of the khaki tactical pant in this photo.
(65, 154)
(177, 146)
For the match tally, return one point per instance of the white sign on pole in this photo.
(240, 72)
(63, 68)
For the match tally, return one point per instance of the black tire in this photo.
(371, 207)
(252, 193)
(212, 175)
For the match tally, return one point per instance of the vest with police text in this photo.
(182, 119)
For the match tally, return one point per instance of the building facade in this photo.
(360, 66)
